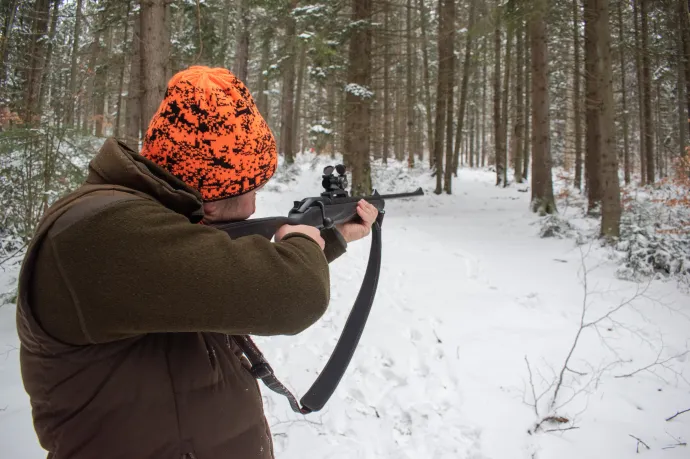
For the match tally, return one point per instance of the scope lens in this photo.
(340, 168)
(328, 170)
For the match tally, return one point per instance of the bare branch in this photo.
(678, 414)
(638, 443)
(14, 254)
(579, 331)
(531, 383)
(655, 363)
(562, 430)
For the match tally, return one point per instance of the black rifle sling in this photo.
(323, 388)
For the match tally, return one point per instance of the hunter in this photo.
(130, 304)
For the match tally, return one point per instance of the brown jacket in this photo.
(126, 314)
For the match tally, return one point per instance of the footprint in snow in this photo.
(415, 335)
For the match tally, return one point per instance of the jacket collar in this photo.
(117, 164)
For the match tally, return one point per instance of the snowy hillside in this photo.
(474, 318)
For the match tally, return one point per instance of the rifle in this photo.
(333, 207)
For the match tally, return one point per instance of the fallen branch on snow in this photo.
(678, 414)
(656, 362)
(638, 443)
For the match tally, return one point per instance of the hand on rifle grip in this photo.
(359, 229)
(310, 231)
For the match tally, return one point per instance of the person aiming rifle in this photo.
(135, 306)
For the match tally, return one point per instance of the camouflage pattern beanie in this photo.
(209, 133)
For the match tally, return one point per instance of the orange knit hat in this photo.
(209, 133)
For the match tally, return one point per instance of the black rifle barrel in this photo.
(417, 192)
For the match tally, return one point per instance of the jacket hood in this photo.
(117, 164)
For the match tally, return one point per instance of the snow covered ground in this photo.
(469, 293)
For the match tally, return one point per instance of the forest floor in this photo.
(468, 295)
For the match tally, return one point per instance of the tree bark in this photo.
(385, 147)
(262, 89)
(498, 149)
(36, 61)
(242, 49)
(121, 81)
(611, 204)
(358, 104)
(100, 92)
(449, 13)
(519, 128)
(410, 102)
(49, 54)
(528, 106)
(7, 27)
(577, 95)
(647, 85)
(88, 103)
(441, 97)
(504, 103)
(640, 94)
(427, 83)
(297, 116)
(288, 93)
(542, 182)
(133, 111)
(485, 80)
(624, 96)
(683, 118)
(592, 71)
(155, 52)
(73, 65)
(685, 30)
(463, 87)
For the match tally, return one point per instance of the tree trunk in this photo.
(449, 13)
(262, 90)
(242, 48)
(519, 128)
(88, 101)
(297, 116)
(463, 87)
(410, 127)
(288, 93)
(49, 54)
(577, 96)
(640, 95)
(358, 102)
(121, 81)
(498, 149)
(442, 86)
(528, 106)
(73, 65)
(100, 83)
(155, 52)
(485, 80)
(685, 32)
(427, 84)
(624, 96)
(504, 104)
(36, 61)
(228, 11)
(542, 182)
(611, 203)
(683, 118)
(7, 27)
(647, 85)
(133, 111)
(593, 153)
(385, 147)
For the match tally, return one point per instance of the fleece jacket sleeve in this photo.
(137, 268)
